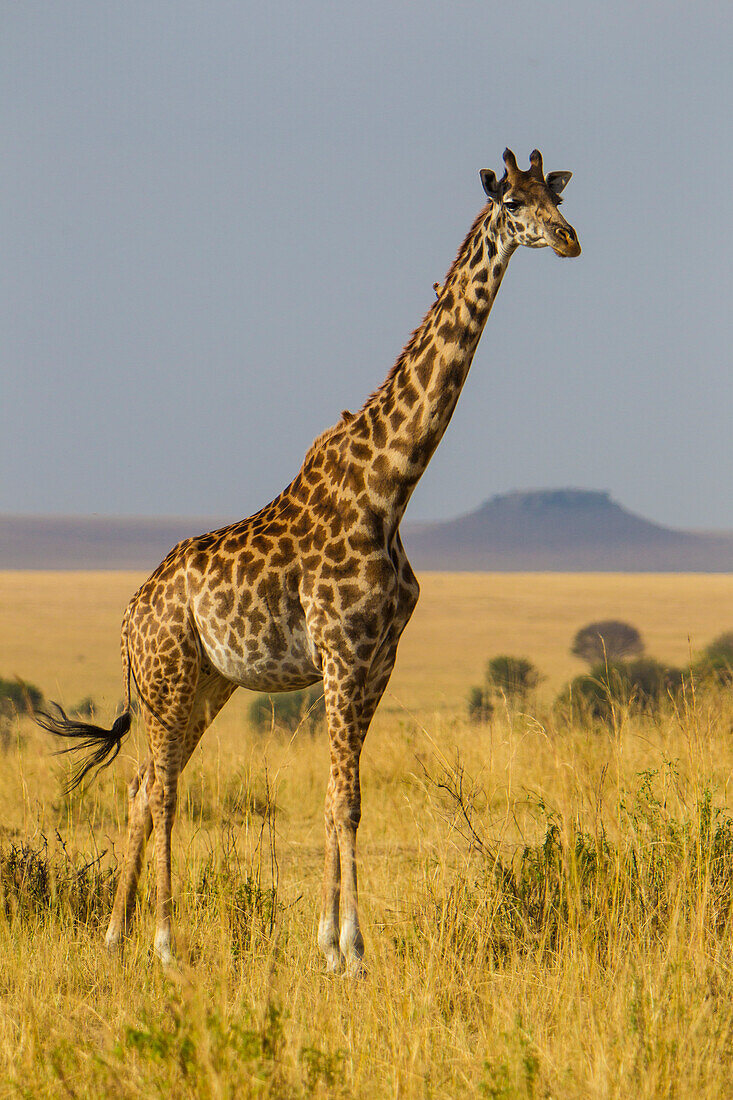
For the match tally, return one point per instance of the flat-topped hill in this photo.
(563, 529)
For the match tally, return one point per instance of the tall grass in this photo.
(547, 911)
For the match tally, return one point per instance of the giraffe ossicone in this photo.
(315, 586)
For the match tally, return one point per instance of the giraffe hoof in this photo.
(167, 960)
(168, 963)
(163, 952)
(113, 941)
(334, 962)
(355, 969)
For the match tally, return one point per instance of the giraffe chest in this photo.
(260, 643)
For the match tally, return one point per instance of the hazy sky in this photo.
(222, 221)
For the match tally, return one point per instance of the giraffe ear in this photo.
(558, 181)
(491, 184)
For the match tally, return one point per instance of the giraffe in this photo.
(316, 585)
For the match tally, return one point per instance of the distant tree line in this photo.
(620, 674)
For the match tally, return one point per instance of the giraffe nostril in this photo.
(566, 241)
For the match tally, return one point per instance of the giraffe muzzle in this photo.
(566, 243)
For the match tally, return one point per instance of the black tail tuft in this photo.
(102, 745)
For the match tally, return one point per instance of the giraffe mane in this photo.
(329, 434)
(461, 254)
(412, 341)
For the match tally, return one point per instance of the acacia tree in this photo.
(609, 639)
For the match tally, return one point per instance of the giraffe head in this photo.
(528, 204)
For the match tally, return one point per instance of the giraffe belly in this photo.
(279, 658)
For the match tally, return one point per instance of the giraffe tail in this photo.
(101, 745)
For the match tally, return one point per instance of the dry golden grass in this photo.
(550, 915)
(61, 630)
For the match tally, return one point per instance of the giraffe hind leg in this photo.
(153, 807)
(163, 799)
(212, 692)
(169, 764)
(140, 824)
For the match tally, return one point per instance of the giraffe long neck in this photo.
(394, 436)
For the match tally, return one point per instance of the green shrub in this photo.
(506, 677)
(715, 664)
(514, 677)
(288, 709)
(722, 646)
(640, 685)
(38, 884)
(480, 707)
(85, 708)
(576, 881)
(18, 697)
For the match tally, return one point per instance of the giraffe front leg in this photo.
(347, 814)
(328, 925)
(347, 811)
(344, 693)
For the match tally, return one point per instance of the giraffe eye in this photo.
(512, 204)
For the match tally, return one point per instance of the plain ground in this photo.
(61, 630)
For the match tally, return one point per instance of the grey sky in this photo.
(223, 220)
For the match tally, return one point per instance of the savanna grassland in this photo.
(547, 902)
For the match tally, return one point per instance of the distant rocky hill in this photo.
(568, 530)
(573, 530)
